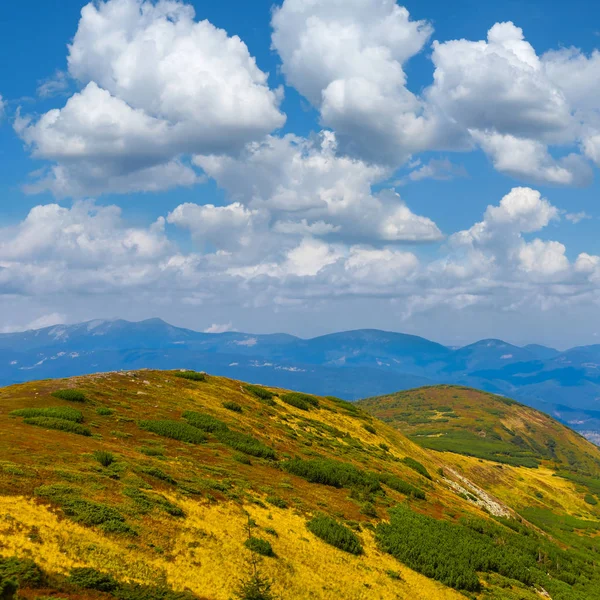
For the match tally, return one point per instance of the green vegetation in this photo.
(276, 501)
(590, 499)
(59, 412)
(191, 375)
(332, 472)
(84, 511)
(334, 533)
(104, 458)
(175, 430)
(104, 412)
(148, 502)
(301, 401)
(394, 482)
(58, 424)
(416, 466)
(90, 579)
(241, 442)
(369, 428)
(70, 395)
(260, 546)
(22, 571)
(233, 406)
(261, 393)
(158, 474)
(454, 553)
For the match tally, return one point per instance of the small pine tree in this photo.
(255, 586)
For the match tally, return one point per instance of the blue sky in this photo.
(339, 181)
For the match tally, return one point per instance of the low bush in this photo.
(245, 443)
(233, 406)
(276, 501)
(416, 466)
(332, 472)
(590, 499)
(394, 482)
(335, 534)
(369, 428)
(59, 412)
(207, 423)
(58, 424)
(70, 395)
(104, 412)
(22, 571)
(299, 400)
(260, 546)
(148, 502)
(347, 406)
(241, 442)
(152, 451)
(91, 579)
(191, 375)
(158, 474)
(261, 393)
(104, 458)
(8, 588)
(175, 430)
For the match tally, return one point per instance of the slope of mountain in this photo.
(350, 364)
(467, 421)
(174, 485)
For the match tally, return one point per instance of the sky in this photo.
(307, 166)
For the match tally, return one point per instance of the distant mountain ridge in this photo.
(349, 364)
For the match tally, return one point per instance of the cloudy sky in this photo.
(308, 166)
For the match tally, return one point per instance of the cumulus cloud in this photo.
(157, 84)
(308, 187)
(347, 59)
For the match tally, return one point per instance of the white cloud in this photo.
(347, 59)
(543, 258)
(307, 186)
(53, 86)
(577, 217)
(39, 323)
(157, 84)
(438, 169)
(219, 328)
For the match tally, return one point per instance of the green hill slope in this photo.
(171, 485)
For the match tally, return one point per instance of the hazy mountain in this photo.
(350, 364)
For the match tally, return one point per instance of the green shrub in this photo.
(241, 442)
(104, 412)
(191, 375)
(104, 458)
(299, 400)
(261, 393)
(118, 527)
(207, 423)
(151, 451)
(394, 482)
(347, 406)
(58, 424)
(416, 466)
(260, 546)
(336, 534)
(70, 395)
(8, 588)
(90, 579)
(90, 513)
(147, 502)
(590, 499)
(369, 428)
(245, 443)
(453, 553)
(233, 406)
(22, 571)
(174, 430)
(332, 472)
(276, 501)
(60, 412)
(158, 474)
(242, 458)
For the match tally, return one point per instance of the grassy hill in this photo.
(173, 485)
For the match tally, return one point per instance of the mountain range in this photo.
(350, 364)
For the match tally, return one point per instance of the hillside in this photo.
(171, 485)
(348, 364)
